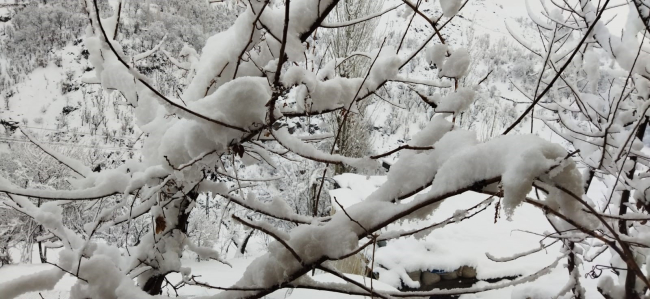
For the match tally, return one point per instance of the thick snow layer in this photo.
(436, 54)
(323, 95)
(354, 188)
(454, 246)
(211, 272)
(450, 7)
(59, 289)
(179, 141)
(456, 66)
(464, 244)
(212, 65)
(457, 101)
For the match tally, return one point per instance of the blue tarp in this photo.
(437, 271)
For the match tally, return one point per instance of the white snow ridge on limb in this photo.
(436, 54)
(456, 66)
(457, 101)
(450, 7)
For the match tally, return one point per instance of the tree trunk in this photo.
(153, 286)
(242, 248)
(42, 252)
(571, 266)
(630, 278)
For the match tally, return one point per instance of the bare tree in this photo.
(347, 41)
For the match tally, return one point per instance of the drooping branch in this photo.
(270, 232)
(359, 20)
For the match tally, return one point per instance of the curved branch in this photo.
(272, 234)
(74, 165)
(359, 20)
(403, 147)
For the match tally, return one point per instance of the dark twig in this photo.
(272, 234)
(566, 64)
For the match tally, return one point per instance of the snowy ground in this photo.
(456, 245)
(466, 244)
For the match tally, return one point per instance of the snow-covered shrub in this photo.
(67, 83)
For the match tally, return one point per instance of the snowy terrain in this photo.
(61, 105)
(454, 245)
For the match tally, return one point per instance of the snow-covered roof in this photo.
(455, 245)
